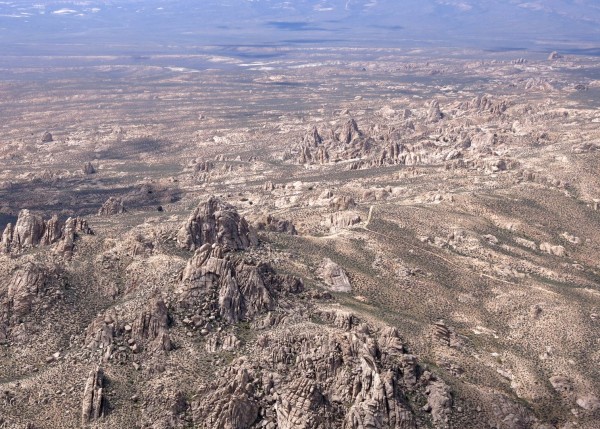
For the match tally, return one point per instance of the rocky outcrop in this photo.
(313, 138)
(312, 149)
(321, 377)
(93, 403)
(151, 327)
(73, 228)
(442, 332)
(341, 203)
(439, 402)
(588, 402)
(209, 281)
(348, 132)
(216, 222)
(485, 104)
(112, 206)
(552, 249)
(27, 285)
(434, 114)
(6, 239)
(270, 223)
(52, 231)
(202, 166)
(334, 276)
(340, 220)
(231, 289)
(31, 230)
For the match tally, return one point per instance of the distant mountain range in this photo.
(572, 24)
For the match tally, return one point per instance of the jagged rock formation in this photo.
(151, 327)
(47, 137)
(331, 375)
(112, 206)
(348, 132)
(334, 276)
(341, 203)
(340, 220)
(228, 288)
(313, 138)
(29, 295)
(31, 230)
(93, 403)
(434, 114)
(485, 104)
(215, 221)
(312, 148)
(70, 231)
(26, 285)
(270, 223)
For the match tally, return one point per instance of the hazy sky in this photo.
(154, 24)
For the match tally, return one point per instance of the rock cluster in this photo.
(340, 220)
(552, 249)
(216, 222)
(112, 206)
(229, 288)
(31, 230)
(270, 223)
(554, 56)
(326, 376)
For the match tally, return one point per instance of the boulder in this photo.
(47, 137)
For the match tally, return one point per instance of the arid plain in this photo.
(300, 238)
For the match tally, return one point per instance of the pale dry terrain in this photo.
(297, 238)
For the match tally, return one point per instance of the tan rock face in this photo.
(271, 223)
(26, 285)
(31, 230)
(233, 289)
(434, 113)
(340, 220)
(112, 206)
(151, 326)
(93, 403)
(216, 222)
(334, 276)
